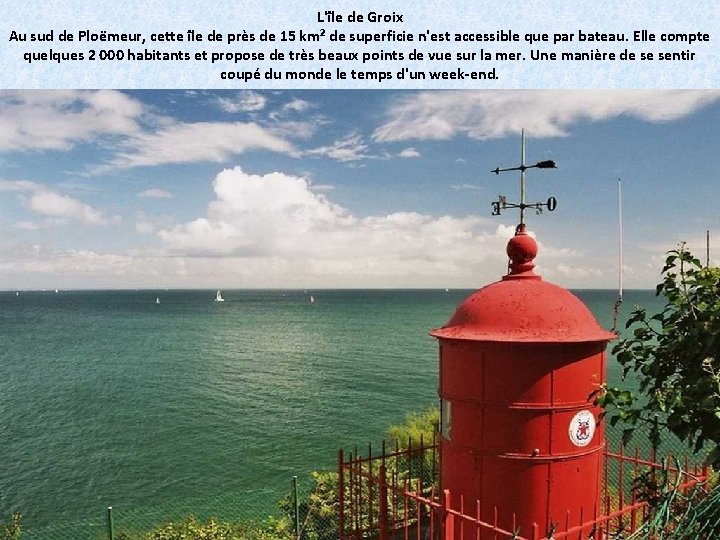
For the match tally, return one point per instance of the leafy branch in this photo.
(675, 357)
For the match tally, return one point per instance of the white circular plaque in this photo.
(582, 428)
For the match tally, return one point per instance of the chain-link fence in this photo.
(251, 510)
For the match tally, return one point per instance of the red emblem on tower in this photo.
(582, 428)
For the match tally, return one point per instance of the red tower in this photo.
(519, 361)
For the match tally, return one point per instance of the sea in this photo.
(165, 402)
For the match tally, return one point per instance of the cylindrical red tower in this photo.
(519, 361)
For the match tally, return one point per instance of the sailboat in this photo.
(218, 297)
(312, 299)
(157, 300)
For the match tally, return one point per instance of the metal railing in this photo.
(380, 497)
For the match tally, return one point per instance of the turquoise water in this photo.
(107, 398)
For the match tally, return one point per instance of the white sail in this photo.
(157, 300)
(218, 297)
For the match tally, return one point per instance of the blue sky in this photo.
(346, 188)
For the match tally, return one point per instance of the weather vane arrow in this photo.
(501, 204)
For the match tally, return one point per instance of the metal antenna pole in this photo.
(707, 249)
(522, 177)
(618, 302)
(620, 250)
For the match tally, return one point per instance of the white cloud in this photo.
(57, 120)
(409, 153)
(296, 130)
(50, 203)
(272, 231)
(297, 105)
(27, 225)
(308, 239)
(19, 185)
(543, 113)
(107, 269)
(201, 141)
(288, 119)
(250, 215)
(144, 227)
(155, 193)
(245, 101)
(321, 187)
(46, 202)
(351, 148)
(146, 224)
(80, 187)
(574, 276)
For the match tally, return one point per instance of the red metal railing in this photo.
(393, 496)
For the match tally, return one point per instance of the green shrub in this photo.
(12, 530)
(675, 357)
(319, 510)
(418, 426)
(192, 529)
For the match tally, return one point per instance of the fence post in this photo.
(111, 529)
(341, 495)
(448, 519)
(297, 508)
(383, 504)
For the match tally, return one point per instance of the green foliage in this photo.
(192, 529)
(675, 356)
(676, 514)
(418, 426)
(12, 530)
(319, 510)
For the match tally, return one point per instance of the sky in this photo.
(348, 188)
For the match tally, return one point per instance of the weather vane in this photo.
(501, 204)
